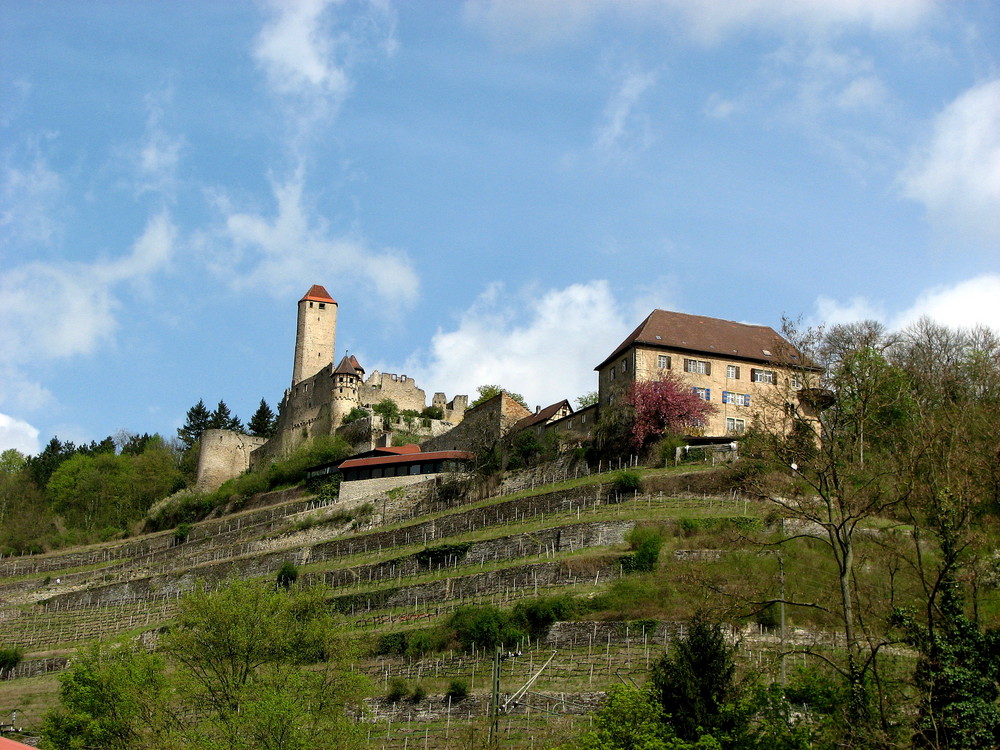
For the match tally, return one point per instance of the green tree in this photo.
(198, 420)
(387, 409)
(587, 399)
(41, 466)
(112, 697)
(223, 419)
(12, 461)
(695, 683)
(486, 392)
(263, 421)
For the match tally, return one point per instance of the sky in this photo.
(493, 191)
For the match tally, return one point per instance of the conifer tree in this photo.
(198, 419)
(262, 423)
(223, 419)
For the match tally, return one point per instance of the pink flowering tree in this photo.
(665, 406)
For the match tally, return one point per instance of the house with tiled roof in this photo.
(750, 373)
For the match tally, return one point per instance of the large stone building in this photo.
(749, 373)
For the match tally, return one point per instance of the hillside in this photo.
(397, 568)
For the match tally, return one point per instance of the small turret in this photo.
(346, 379)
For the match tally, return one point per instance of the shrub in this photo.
(418, 694)
(432, 412)
(537, 615)
(666, 448)
(627, 481)
(391, 644)
(181, 533)
(10, 657)
(457, 690)
(387, 409)
(646, 542)
(689, 526)
(397, 690)
(354, 415)
(486, 627)
(287, 574)
(426, 641)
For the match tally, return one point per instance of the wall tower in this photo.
(315, 335)
(344, 395)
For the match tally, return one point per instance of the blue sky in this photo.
(494, 192)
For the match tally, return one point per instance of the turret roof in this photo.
(348, 366)
(317, 293)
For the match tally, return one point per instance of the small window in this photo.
(698, 366)
(703, 393)
(614, 372)
(310, 303)
(735, 426)
(732, 372)
(624, 365)
(762, 376)
(737, 399)
(322, 305)
(663, 362)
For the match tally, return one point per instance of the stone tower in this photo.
(315, 335)
(346, 379)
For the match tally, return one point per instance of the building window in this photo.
(698, 366)
(738, 399)
(624, 365)
(732, 372)
(796, 383)
(614, 372)
(663, 362)
(322, 305)
(705, 393)
(762, 376)
(735, 426)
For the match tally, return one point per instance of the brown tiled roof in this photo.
(541, 416)
(357, 366)
(712, 336)
(317, 293)
(347, 367)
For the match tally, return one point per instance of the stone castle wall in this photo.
(400, 388)
(481, 426)
(224, 454)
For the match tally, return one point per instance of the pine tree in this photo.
(198, 420)
(262, 423)
(223, 419)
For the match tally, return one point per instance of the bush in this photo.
(397, 690)
(646, 542)
(426, 641)
(457, 690)
(181, 533)
(10, 657)
(486, 627)
(287, 575)
(432, 412)
(537, 615)
(666, 448)
(354, 415)
(627, 481)
(387, 409)
(418, 694)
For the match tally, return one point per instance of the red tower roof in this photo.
(317, 293)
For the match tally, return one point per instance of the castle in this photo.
(321, 396)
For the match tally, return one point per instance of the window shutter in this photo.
(753, 374)
(668, 361)
(708, 368)
(737, 372)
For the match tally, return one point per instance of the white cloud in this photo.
(297, 53)
(961, 305)
(158, 154)
(521, 23)
(622, 129)
(542, 344)
(28, 196)
(18, 434)
(957, 174)
(278, 254)
(85, 296)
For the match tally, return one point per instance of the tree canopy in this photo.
(486, 392)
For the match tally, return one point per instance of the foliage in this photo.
(486, 392)
(182, 532)
(10, 657)
(223, 419)
(537, 615)
(25, 520)
(388, 410)
(458, 690)
(587, 399)
(664, 406)
(288, 574)
(627, 481)
(263, 421)
(40, 467)
(354, 415)
(397, 690)
(113, 697)
(484, 626)
(12, 461)
(198, 420)
(695, 683)
(645, 542)
(432, 412)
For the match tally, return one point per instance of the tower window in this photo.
(322, 305)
